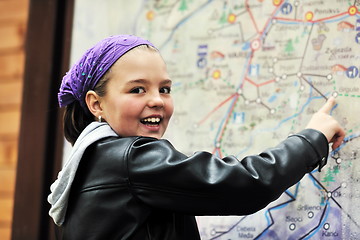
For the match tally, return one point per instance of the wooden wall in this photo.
(13, 22)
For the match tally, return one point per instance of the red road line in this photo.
(288, 19)
(260, 84)
(267, 82)
(227, 118)
(251, 16)
(250, 81)
(216, 108)
(331, 17)
(218, 150)
(312, 21)
(270, 18)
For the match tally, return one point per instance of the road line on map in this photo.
(314, 75)
(296, 11)
(269, 20)
(306, 46)
(311, 85)
(311, 21)
(292, 199)
(251, 16)
(316, 228)
(289, 19)
(318, 182)
(266, 83)
(227, 118)
(328, 18)
(347, 214)
(216, 108)
(224, 232)
(223, 27)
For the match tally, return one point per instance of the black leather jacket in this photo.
(142, 188)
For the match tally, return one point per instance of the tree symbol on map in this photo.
(289, 48)
(329, 177)
(183, 6)
(223, 18)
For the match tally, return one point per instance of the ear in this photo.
(92, 100)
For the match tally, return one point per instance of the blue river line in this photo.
(315, 183)
(182, 22)
(311, 23)
(281, 205)
(269, 220)
(224, 119)
(322, 222)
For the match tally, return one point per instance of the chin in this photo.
(153, 135)
(157, 136)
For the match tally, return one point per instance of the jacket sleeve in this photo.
(204, 184)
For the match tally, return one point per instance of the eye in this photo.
(165, 90)
(138, 90)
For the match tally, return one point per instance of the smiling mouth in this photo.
(153, 121)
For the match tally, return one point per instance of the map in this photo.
(248, 73)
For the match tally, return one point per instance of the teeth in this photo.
(152, 120)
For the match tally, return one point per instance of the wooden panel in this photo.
(11, 93)
(11, 36)
(9, 122)
(46, 58)
(6, 207)
(5, 233)
(11, 10)
(7, 179)
(8, 154)
(12, 65)
(13, 23)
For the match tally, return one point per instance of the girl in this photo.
(122, 181)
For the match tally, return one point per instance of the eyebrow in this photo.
(144, 81)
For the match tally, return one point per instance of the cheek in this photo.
(131, 109)
(119, 110)
(170, 107)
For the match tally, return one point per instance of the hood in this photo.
(60, 189)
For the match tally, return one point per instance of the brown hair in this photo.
(76, 118)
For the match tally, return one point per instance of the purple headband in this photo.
(84, 75)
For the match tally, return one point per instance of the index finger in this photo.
(330, 103)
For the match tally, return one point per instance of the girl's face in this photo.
(138, 100)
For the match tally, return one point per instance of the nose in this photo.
(155, 100)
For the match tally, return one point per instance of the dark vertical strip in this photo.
(40, 141)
